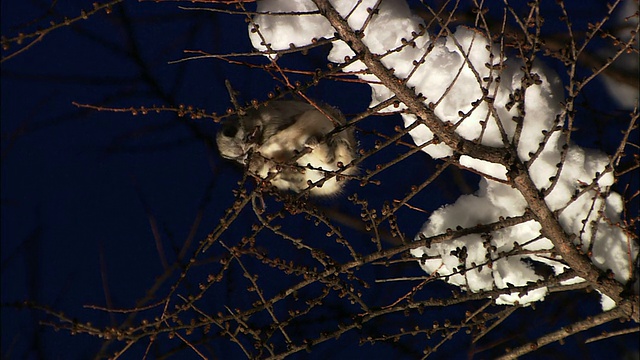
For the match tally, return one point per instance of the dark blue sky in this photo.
(86, 194)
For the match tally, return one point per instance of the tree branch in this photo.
(408, 96)
(518, 173)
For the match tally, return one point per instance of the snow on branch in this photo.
(501, 117)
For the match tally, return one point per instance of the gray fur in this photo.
(278, 132)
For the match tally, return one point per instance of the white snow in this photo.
(452, 76)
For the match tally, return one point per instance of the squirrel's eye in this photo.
(229, 130)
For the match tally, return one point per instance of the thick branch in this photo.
(563, 244)
(406, 95)
(519, 176)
